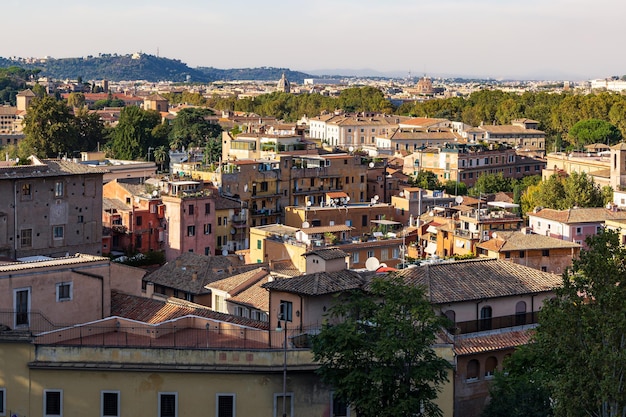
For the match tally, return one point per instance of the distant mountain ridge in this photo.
(147, 67)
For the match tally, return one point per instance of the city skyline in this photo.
(486, 39)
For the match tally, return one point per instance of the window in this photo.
(258, 244)
(58, 189)
(191, 230)
(168, 404)
(384, 254)
(545, 252)
(507, 254)
(283, 403)
(207, 250)
(219, 303)
(191, 209)
(26, 191)
(64, 291)
(138, 241)
(207, 229)
(522, 254)
(339, 408)
(52, 403)
(57, 232)
(81, 219)
(207, 208)
(26, 238)
(225, 405)
(364, 220)
(110, 403)
(485, 318)
(139, 220)
(219, 221)
(490, 366)
(370, 253)
(473, 367)
(286, 309)
(355, 258)
(3, 401)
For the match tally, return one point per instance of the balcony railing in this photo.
(494, 323)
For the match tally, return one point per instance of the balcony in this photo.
(494, 323)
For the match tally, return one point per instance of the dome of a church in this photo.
(283, 84)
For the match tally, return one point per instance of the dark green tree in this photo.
(520, 390)
(191, 128)
(591, 131)
(89, 129)
(49, 128)
(376, 350)
(425, 179)
(582, 333)
(455, 188)
(133, 135)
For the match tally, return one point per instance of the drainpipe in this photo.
(15, 219)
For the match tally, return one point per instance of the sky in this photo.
(500, 39)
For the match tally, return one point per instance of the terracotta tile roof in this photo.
(79, 258)
(510, 129)
(507, 241)
(493, 341)
(223, 203)
(424, 121)
(254, 296)
(192, 272)
(579, 215)
(328, 254)
(237, 283)
(324, 229)
(48, 168)
(148, 310)
(319, 283)
(479, 279)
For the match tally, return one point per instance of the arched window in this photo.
(520, 313)
(490, 366)
(451, 315)
(485, 318)
(473, 369)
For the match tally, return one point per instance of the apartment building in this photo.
(345, 130)
(465, 163)
(521, 133)
(133, 216)
(51, 208)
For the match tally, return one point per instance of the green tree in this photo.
(133, 135)
(160, 156)
(49, 128)
(376, 351)
(559, 193)
(425, 179)
(491, 183)
(191, 128)
(582, 333)
(455, 188)
(76, 100)
(591, 131)
(520, 391)
(90, 130)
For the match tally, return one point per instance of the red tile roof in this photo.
(478, 343)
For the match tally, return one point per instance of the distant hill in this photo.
(146, 67)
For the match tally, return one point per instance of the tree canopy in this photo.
(191, 128)
(425, 179)
(376, 350)
(134, 133)
(559, 193)
(587, 132)
(582, 333)
(49, 128)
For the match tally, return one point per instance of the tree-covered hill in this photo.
(145, 67)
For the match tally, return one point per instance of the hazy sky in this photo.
(570, 39)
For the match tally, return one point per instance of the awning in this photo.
(431, 229)
(431, 248)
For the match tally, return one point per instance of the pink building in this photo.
(574, 224)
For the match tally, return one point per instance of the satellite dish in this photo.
(351, 149)
(155, 193)
(372, 263)
(224, 252)
(347, 199)
(494, 235)
(308, 203)
(401, 193)
(458, 199)
(371, 165)
(305, 225)
(233, 231)
(376, 197)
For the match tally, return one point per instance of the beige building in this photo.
(521, 133)
(525, 248)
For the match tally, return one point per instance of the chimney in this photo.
(194, 276)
